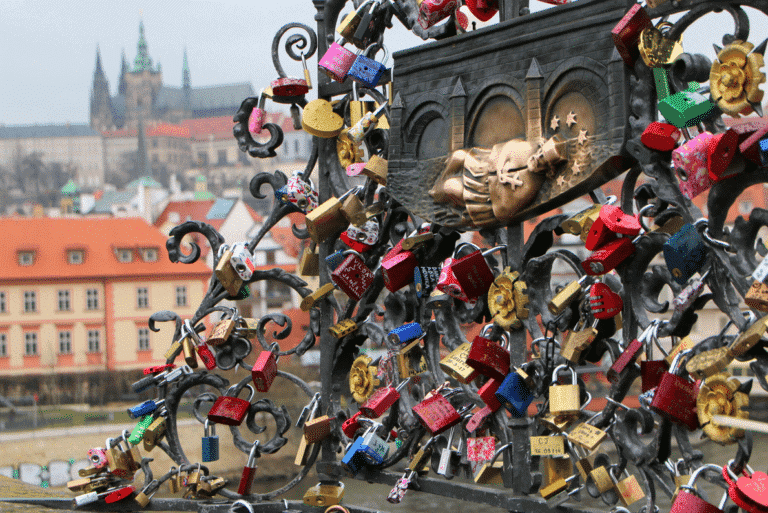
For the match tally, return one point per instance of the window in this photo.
(64, 305)
(149, 254)
(3, 303)
(296, 147)
(154, 143)
(142, 297)
(30, 301)
(30, 344)
(222, 157)
(92, 299)
(75, 257)
(745, 207)
(270, 256)
(181, 296)
(124, 255)
(3, 344)
(65, 342)
(202, 159)
(93, 341)
(143, 339)
(26, 258)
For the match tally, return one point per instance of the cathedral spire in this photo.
(186, 82)
(124, 70)
(101, 111)
(143, 61)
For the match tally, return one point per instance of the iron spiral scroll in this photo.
(638, 439)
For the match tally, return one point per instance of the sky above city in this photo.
(48, 47)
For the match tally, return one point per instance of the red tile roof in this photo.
(194, 210)
(50, 238)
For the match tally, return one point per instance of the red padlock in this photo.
(120, 494)
(289, 87)
(351, 425)
(651, 371)
(483, 10)
(660, 136)
(352, 276)
(468, 277)
(749, 490)
(603, 302)
(159, 368)
(478, 419)
(434, 11)
(487, 393)
(750, 134)
(631, 353)
(249, 471)
(206, 355)
(721, 150)
(264, 371)
(488, 357)
(610, 222)
(229, 410)
(354, 245)
(675, 397)
(688, 500)
(606, 258)
(397, 267)
(436, 414)
(381, 400)
(626, 34)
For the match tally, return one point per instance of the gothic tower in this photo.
(122, 83)
(142, 86)
(101, 104)
(186, 87)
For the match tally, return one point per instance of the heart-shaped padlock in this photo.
(604, 302)
(320, 120)
(657, 50)
(750, 491)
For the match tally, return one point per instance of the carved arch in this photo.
(490, 111)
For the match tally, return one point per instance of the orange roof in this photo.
(51, 238)
(220, 127)
(284, 237)
(193, 210)
(169, 130)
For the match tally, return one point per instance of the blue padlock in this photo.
(373, 448)
(685, 253)
(334, 260)
(685, 108)
(210, 443)
(425, 280)
(366, 71)
(144, 408)
(405, 333)
(353, 459)
(515, 393)
(763, 145)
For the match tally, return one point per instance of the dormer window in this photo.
(26, 258)
(124, 255)
(149, 254)
(75, 256)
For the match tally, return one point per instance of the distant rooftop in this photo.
(46, 131)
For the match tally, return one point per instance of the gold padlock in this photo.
(520, 289)
(556, 423)
(302, 455)
(709, 363)
(376, 169)
(547, 446)
(411, 242)
(221, 332)
(410, 360)
(584, 466)
(154, 433)
(227, 275)
(577, 342)
(564, 399)
(685, 344)
(489, 473)
(577, 224)
(629, 489)
(757, 296)
(324, 495)
(343, 328)
(587, 436)
(455, 364)
(193, 478)
(319, 119)
(601, 478)
(351, 22)
(750, 337)
(309, 301)
(173, 351)
(78, 485)
(566, 296)
(656, 50)
(190, 355)
(354, 210)
(174, 482)
(309, 265)
(556, 468)
(326, 220)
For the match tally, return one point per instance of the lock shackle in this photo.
(461, 246)
(702, 226)
(640, 216)
(404, 382)
(352, 252)
(677, 360)
(253, 455)
(690, 486)
(263, 95)
(354, 190)
(488, 327)
(209, 429)
(234, 387)
(620, 509)
(586, 403)
(573, 373)
(494, 249)
(379, 46)
(731, 473)
(191, 332)
(498, 452)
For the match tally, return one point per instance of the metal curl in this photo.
(205, 397)
(245, 140)
(282, 421)
(173, 244)
(280, 320)
(740, 20)
(275, 180)
(297, 40)
(165, 316)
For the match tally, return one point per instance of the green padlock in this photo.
(138, 432)
(685, 108)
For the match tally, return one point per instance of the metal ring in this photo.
(640, 216)
(702, 226)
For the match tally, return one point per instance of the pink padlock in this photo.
(690, 164)
(258, 116)
(336, 62)
(434, 11)
(356, 169)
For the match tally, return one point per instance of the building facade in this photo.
(76, 296)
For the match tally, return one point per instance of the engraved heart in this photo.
(319, 119)
(754, 487)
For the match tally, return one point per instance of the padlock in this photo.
(361, 238)
(309, 301)
(172, 352)
(607, 257)
(298, 193)
(121, 493)
(721, 396)
(121, 461)
(449, 455)
(487, 393)
(750, 136)
(353, 459)
(656, 49)
(175, 481)
(455, 365)
(489, 357)
(661, 79)
(690, 163)
(309, 264)
(374, 449)
(547, 446)
(675, 397)
(555, 423)
(327, 220)
(343, 328)
(483, 10)
(626, 34)
(577, 342)
(436, 414)
(587, 436)
(629, 489)
(381, 400)
(601, 479)
(398, 267)
(141, 428)
(155, 369)
(472, 274)
(660, 136)
(564, 399)
(557, 492)
(405, 334)
(242, 261)
(317, 429)
(709, 363)
(556, 468)
(688, 500)
(190, 355)
(98, 457)
(690, 293)
(210, 487)
(324, 495)
(210, 442)
(303, 452)
(194, 476)
(351, 21)
(145, 495)
(764, 151)
(685, 344)
(516, 392)
(425, 280)
(357, 132)
(490, 472)
(581, 222)
(721, 150)
(229, 410)
(611, 222)
(748, 491)
(226, 274)
(333, 260)
(206, 355)
(354, 210)
(434, 11)
(249, 470)
(685, 108)
(336, 61)
(604, 303)
(264, 370)
(258, 115)
(319, 119)
(478, 419)
(365, 70)
(376, 169)
(481, 448)
(567, 295)
(628, 356)
(757, 296)
(410, 360)
(78, 485)
(289, 89)
(154, 433)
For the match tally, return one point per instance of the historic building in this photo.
(143, 98)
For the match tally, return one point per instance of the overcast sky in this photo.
(48, 47)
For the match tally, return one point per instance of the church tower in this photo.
(186, 87)
(101, 104)
(142, 85)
